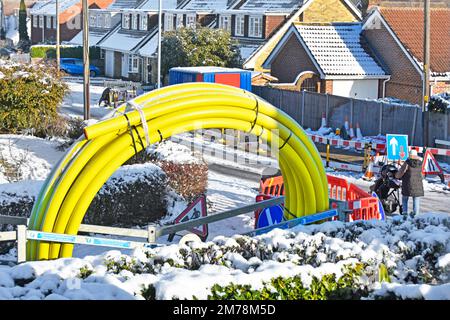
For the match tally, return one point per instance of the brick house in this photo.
(312, 11)
(43, 19)
(326, 58)
(395, 36)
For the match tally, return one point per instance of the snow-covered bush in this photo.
(134, 195)
(29, 97)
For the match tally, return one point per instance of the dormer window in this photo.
(134, 21)
(255, 27)
(240, 26)
(126, 21)
(191, 19)
(179, 22)
(168, 22)
(144, 22)
(225, 23)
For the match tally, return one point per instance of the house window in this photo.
(190, 20)
(144, 22)
(54, 22)
(134, 21)
(126, 21)
(35, 21)
(107, 21)
(168, 22)
(41, 21)
(49, 22)
(102, 54)
(133, 64)
(225, 23)
(92, 20)
(179, 22)
(240, 25)
(101, 21)
(255, 27)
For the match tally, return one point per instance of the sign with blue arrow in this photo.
(397, 147)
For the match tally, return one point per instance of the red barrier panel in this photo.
(364, 206)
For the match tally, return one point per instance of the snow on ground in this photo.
(32, 157)
(415, 252)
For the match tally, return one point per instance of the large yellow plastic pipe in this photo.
(74, 182)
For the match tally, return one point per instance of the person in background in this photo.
(412, 181)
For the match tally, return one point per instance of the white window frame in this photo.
(191, 20)
(101, 20)
(255, 26)
(144, 22)
(134, 21)
(102, 54)
(54, 23)
(168, 21)
(93, 20)
(35, 21)
(107, 21)
(126, 23)
(225, 22)
(41, 21)
(48, 24)
(239, 28)
(179, 21)
(133, 64)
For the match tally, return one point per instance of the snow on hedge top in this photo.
(174, 152)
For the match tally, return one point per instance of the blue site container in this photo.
(234, 77)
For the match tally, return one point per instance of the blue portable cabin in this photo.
(229, 76)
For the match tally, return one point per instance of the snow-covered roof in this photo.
(49, 8)
(208, 69)
(208, 5)
(247, 50)
(271, 5)
(337, 49)
(94, 37)
(154, 4)
(124, 4)
(122, 40)
(149, 49)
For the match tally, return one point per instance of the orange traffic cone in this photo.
(346, 126)
(369, 174)
(359, 135)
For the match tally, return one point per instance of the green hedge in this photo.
(66, 52)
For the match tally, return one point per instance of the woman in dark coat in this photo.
(412, 185)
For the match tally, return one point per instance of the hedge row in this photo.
(49, 51)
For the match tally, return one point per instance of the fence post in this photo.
(303, 108)
(21, 243)
(381, 118)
(280, 99)
(351, 110)
(151, 233)
(327, 106)
(413, 132)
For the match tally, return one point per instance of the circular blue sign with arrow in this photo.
(270, 216)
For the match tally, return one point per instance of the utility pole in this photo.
(426, 71)
(58, 53)
(86, 73)
(159, 43)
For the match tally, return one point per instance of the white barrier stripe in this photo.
(376, 146)
(92, 241)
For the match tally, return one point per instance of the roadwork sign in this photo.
(195, 210)
(397, 147)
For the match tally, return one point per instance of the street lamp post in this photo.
(86, 73)
(426, 71)
(58, 53)
(159, 43)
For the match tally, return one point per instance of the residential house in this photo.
(43, 17)
(278, 16)
(395, 35)
(327, 59)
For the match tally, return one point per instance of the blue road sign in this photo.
(397, 147)
(270, 216)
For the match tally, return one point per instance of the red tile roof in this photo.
(407, 23)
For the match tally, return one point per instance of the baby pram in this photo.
(387, 189)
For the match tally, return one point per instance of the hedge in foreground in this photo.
(29, 98)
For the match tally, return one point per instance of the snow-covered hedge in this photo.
(29, 98)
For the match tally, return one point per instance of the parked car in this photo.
(75, 66)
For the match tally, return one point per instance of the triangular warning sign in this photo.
(430, 165)
(195, 210)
